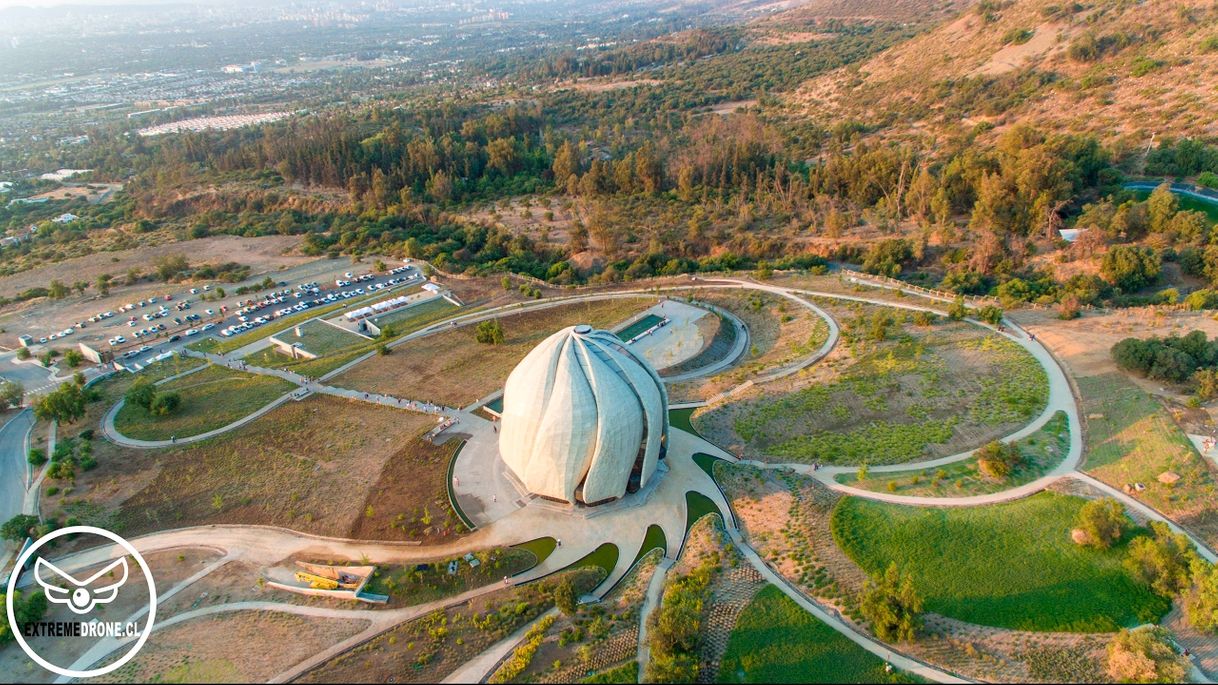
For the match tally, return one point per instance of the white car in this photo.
(193, 331)
(208, 327)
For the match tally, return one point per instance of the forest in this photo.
(654, 184)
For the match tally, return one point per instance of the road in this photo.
(13, 464)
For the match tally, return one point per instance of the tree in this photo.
(36, 457)
(28, 607)
(1145, 655)
(1163, 560)
(165, 403)
(957, 310)
(1102, 521)
(1130, 268)
(65, 404)
(141, 393)
(57, 290)
(564, 596)
(18, 528)
(171, 266)
(887, 257)
(892, 606)
(1200, 600)
(11, 392)
(1162, 206)
(990, 314)
(73, 358)
(996, 460)
(489, 333)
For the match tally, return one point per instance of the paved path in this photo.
(1146, 510)
(655, 589)
(14, 445)
(480, 667)
(833, 620)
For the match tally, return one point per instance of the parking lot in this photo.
(136, 332)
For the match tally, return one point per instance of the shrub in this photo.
(1163, 561)
(36, 457)
(28, 607)
(141, 393)
(489, 333)
(996, 460)
(1017, 36)
(1103, 521)
(1145, 655)
(892, 606)
(957, 310)
(18, 528)
(165, 403)
(1131, 268)
(1200, 601)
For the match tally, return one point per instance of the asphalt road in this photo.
(12, 464)
(28, 374)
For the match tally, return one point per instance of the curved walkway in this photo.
(261, 543)
(739, 345)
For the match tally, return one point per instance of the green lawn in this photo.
(776, 641)
(654, 539)
(919, 392)
(1042, 452)
(603, 557)
(212, 398)
(541, 548)
(680, 418)
(417, 316)
(340, 351)
(638, 327)
(319, 338)
(1008, 565)
(698, 505)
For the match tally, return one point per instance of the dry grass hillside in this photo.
(1115, 68)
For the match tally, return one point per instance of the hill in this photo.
(1124, 71)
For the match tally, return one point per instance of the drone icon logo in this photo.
(77, 594)
(81, 597)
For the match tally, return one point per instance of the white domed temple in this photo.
(585, 419)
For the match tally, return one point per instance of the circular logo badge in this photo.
(81, 592)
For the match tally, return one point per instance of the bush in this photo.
(1131, 268)
(996, 460)
(1163, 561)
(18, 528)
(1145, 655)
(489, 333)
(1200, 601)
(892, 606)
(28, 607)
(1103, 521)
(957, 310)
(166, 403)
(141, 393)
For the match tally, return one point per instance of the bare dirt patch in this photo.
(246, 646)
(307, 465)
(429, 648)
(454, 369)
